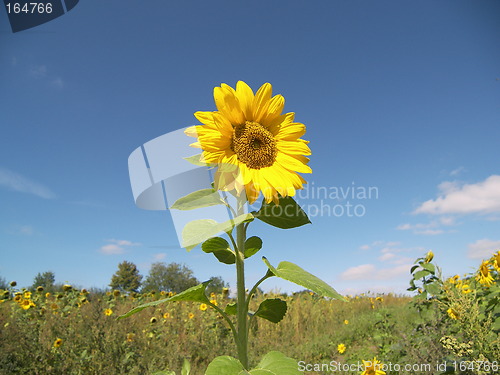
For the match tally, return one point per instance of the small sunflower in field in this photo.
(27, 294)
(57, 343)
(496, 261)
(67, 287)
(26, 304)
(256, 148)
(453, 313)
(13, 283)
(429, 257)
(39, 289)
(483, 274)
(346, 321)
(130, 337)
(190, 315)
(203, 307)
(166, 315)
(466, 289)
(153, 320)
(213, 302)
(341, 348)
(373, 367)
(108, 312)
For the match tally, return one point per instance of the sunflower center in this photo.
(254, 145)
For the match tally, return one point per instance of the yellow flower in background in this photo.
(190, 315)
(496, 261)
(466, 289)
(346, 321)
(58, 343)
(453, 314)
(373, 367)
(203, 306)
(341, 348)
(39, 289)
(108, 312)
(484, 275)
(166, 315)
(153, 320)
(380, 299)
(257, 148)
(130, 337)
(67, 287)
(26, 304)
(27, 295)
(429, 256)
(213, 302)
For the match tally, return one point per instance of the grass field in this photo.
(72, 331)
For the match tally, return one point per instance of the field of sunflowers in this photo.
(449, 326)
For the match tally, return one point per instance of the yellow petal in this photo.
(293, 147)
(292, 163)
(261, 101)
(245, 97)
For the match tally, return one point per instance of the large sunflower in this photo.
(257, 149)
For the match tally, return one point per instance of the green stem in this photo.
(224, 315)
(242, 311)
(265, 277)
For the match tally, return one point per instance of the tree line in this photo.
(172, 277)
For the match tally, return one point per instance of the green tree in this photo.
(217, 285)
(127, 278)
(171, 277)
(46, 280)
(3, 283)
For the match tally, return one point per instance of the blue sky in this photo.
(401, 96)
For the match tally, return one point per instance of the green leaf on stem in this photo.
(193, 294)
(231, 309)
(196, 160)
(276, 363)
(288, 214)
(433, 288)
(220, 248)
(186, 367)
(198, 231)
(429, 267)
(297, 275)
(421, 274)
(198, 199)
(272, 309)
(252, 246)
(224, 365)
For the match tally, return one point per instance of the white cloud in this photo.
(482, 197)
(386, 256)
(361, 272)
(482, 249)
(457, 171)
(428, 229)
(117, 246)
(112, 249)
(364, 247)
(159, 256)
(16, 182)
(370, 272)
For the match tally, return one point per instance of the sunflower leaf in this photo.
(196, 160)
(224, 365)
(252, 246)
(194, 294)
(220, 248)
(198, 231)
(295, 274)
(277, 363)
(288, 214)
(272, 309)
(198, 199)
